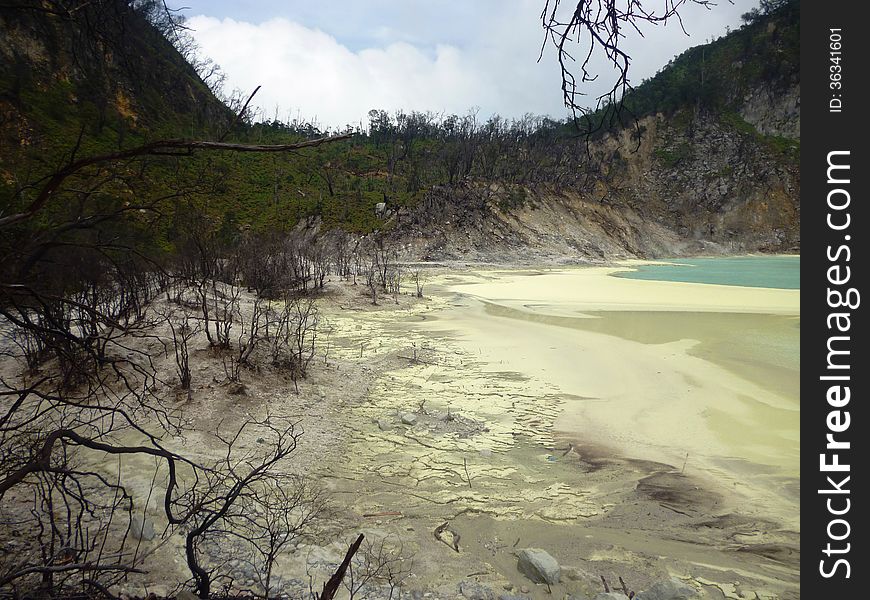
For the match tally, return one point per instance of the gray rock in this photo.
(574, 573)
(538, 565)
(409, 419)
(512, 597)
(668, 589)
(475, 591)
(383, 425)
(611, 596)
(142, 528)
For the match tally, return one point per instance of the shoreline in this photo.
(418, 413)
(412, 461)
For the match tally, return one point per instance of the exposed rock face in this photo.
(538, 565)
(708, 180)
(773, 112)
(692, 184)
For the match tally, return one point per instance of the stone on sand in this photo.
(538, 565)
(475, 591)
(668, 589)
(142, 528)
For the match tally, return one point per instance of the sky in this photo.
(334, 60)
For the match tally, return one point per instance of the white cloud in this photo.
(310, 71)
(448, 59)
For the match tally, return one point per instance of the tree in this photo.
(599, 27)
(87, 386)
(766, 7)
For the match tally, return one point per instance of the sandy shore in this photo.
(616, 423)
(592, 404)
(638, 370)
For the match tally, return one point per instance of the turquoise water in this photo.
(748, 271)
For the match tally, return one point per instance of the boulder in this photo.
(383, 425)
(142, 528)
(576, 574)
(475, 591)
(668, 589)
(409, 418)
(538, 565)
(611, 596)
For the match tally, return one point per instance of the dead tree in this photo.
(77, 294)
(372, 283)
(380, 564)
(599, 27)
(183, 329)
(274, 514)
(418, 282)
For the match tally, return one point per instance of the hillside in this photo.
(706, 161)
(711, 165)
(102, 66)
(222, 358)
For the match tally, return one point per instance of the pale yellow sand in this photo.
(593, 288)
(645, 384)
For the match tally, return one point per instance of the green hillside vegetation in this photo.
(717, 75)
(117, 95)
(713, 78)
(130, 248)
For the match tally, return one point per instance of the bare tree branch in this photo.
(597, 26)
(156, 148)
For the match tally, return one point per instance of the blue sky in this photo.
(334, 60)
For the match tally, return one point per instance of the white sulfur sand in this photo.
(640, 386)
(632, 428)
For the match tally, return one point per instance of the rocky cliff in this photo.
(710, 167)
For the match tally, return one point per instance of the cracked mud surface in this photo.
(522, 422)
(503, 450)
